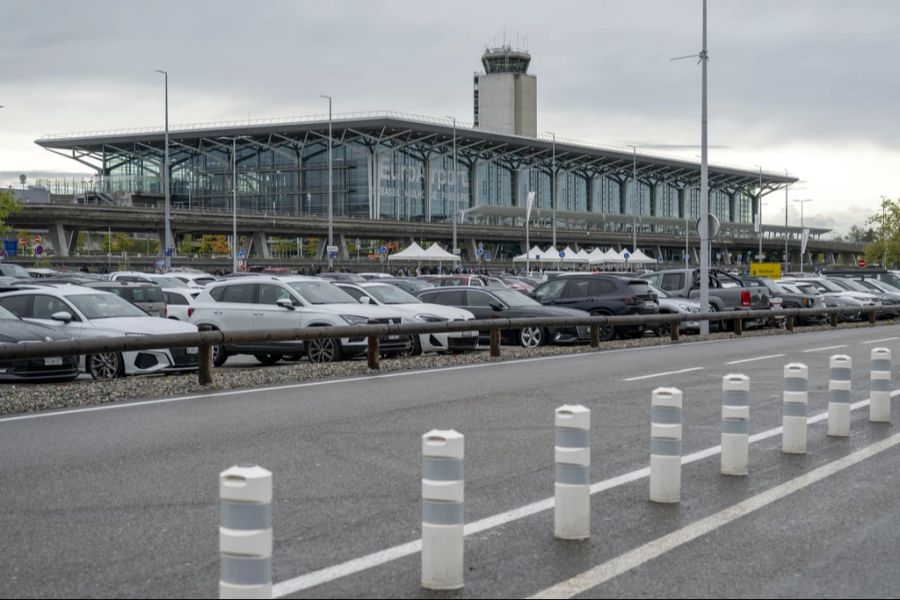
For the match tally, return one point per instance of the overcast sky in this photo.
(809, 86)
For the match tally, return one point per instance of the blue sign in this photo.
(170, 251)
(562, 253)
(11, 247)
(479, 252)
(627, 255)
(488, 256)
(538, 257)
(38, 250)
(382, 250)
(332, 255)
(241, 252)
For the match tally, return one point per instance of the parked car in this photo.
(601, 295)
(268, 302)
(85, 313)
(129, 276)
(195, 279)
(801, 296)
(371, 276)
(14, 330)
(670, 305)
(413, 310)
(836, 296)
(146, 296)
(179, 302)
(485, 302)
(726, 292)
(454, 280)
(890, 301)
(338, 276)
(42, 273)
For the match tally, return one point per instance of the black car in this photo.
(485, 302)
(14, 330)
(601, 295)
(408, 284)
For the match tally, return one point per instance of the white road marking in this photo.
(747, 360)
(635, 558)
(382, 557)
(642, 377)
(890, 339)
(825, 348)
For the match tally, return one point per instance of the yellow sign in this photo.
(770, 270)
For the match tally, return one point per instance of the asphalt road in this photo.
(122, 500)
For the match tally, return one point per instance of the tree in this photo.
(186, 247)
(860, 234)
(8, 206)
(884, 242)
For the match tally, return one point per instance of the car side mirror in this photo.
(62, 316)
(365, 300)
(285, 303)
(496, 307)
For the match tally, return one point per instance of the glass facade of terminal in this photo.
(397, 184)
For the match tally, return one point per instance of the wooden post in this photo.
(205, 358)
(595, 336)
(495, 338)
(834, 319)
(872, 316)
(739, 326)
(374, 352)
(675, 331)
(790, 323)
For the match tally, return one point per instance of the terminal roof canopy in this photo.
(425, 134)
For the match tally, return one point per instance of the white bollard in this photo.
(796, 408)
(735, 424)
(245, 532)
(839, 380)
(880, 395)
(443, 482)
(665, 445)
(572, 491)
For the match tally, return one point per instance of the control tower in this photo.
(505, 94)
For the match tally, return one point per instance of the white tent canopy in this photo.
(414, 252)
(435, 252)
(571, 256)
(583, 256)
(530, 255)
(551, 255)
(640, 258)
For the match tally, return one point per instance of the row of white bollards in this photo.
(245, 532)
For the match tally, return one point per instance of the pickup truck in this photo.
(726, 292)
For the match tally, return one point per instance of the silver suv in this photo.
(269, 302)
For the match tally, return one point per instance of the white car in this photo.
(254, 303)
(414, 310)
(179, 302)
(85, 313)
(195, 279)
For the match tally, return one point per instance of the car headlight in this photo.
(688, 308)
(355, 319)
(428, 318)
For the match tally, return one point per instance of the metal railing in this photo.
(204, 340)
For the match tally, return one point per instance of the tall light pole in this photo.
(787, 262)
(801, 203)
(635, 202)
(234, 197)
(553, 191)
(330, 189)
(167, 236)
(455, 189)
(759, 231)
(883, 235)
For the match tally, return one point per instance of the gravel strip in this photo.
(22, 398)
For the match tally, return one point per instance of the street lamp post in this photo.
(787, 262)
(883, 235)
(330, 189)
(553, 191)
(167, 236)
(801, 203)
(759, 231)
(234, 196)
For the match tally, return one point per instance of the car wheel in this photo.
(414, 348)
(532, 337)
(267, 359)
(662, 329)
(325, 350)
(607, 332)
(219, 355)
(105, 366)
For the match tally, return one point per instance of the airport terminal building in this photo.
(401, 168)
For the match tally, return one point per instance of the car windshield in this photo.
(14, 271)
(659, 293)
(5, 314)
(322, 292)
(774, 287)
(513, 298)
(169, 282)
(388, 294)
(853, 285)
(829, 286)
(104, 306)
(881, 285)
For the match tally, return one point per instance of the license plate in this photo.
(649, 304)
(393, 337)
(191, 350)
(53, 362)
